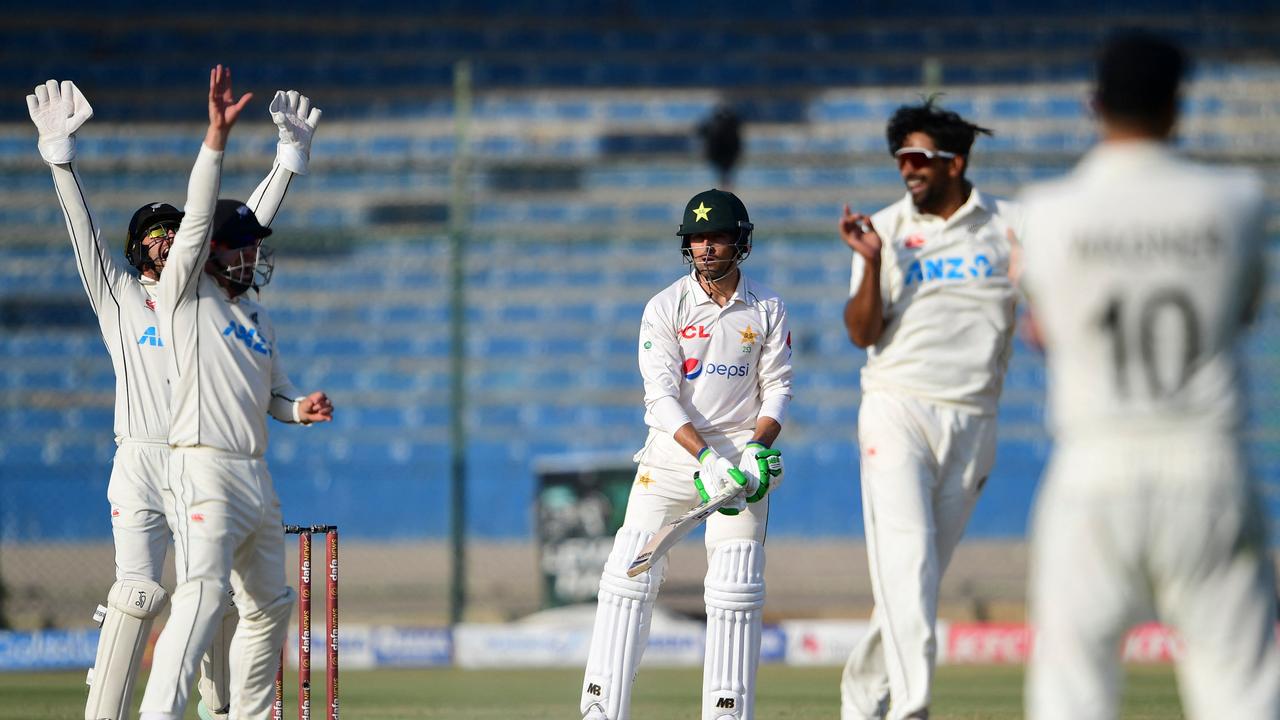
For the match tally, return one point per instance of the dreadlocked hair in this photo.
(949, 131)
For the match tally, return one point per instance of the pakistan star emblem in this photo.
(748, 336)
(702, 212)
(644, 480)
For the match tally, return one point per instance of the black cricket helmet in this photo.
(716, 211)
(236, 250)
(154, 217)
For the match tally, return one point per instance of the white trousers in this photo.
(664, 490)
(923, 467)
(227, 531)
(136, 492)
(1167, 528)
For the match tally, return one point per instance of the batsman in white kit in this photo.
(1142, 269)
(225, 374)
(715, 356)
(931, 300)
(125, 304)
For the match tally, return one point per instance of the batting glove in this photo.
(716, 474)
(296, 119)
(58, 111)
(765, 465)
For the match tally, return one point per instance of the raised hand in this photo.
(58, 110)
(296, 120)
(857, 232)
(224, 109)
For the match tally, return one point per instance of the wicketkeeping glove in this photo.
(716, 474)
(58, 111)
(763, 464)
(296, 119)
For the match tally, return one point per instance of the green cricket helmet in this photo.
(716, 211)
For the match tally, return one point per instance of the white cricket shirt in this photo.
(1139, 266)
(225, 371)
(948, 302)
(126, 305)
(717, 367)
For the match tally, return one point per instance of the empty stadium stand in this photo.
(579, 148)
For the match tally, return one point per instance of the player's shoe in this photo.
(206, 714)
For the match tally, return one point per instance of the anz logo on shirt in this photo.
(151, 338)
(949, 269)
(249, 336)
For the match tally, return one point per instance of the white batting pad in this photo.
(132, 605)
(215, 667)
(623, 612)
(735, 596)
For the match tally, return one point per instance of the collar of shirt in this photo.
(978, 201)
(1108, 155)
(740, 293)
(150, 286)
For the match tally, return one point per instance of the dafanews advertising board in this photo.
(581, 501)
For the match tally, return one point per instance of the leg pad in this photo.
(734, 595)
(623, 613)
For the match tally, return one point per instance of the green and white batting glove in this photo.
(296, 119)
(764, 465)
(58, 111)
(716, 474)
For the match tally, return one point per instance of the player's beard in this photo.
(927, 195)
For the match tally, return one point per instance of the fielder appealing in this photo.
(715, 355)
(1141, 269)
(225, 374)
(125, 304)
(932, 302)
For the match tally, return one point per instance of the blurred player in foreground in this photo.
(1141, 270)
(225, 374)
(715, 355)
(932, 302)
(125, 304)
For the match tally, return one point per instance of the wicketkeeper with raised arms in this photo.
(715, 356)
(125, 304)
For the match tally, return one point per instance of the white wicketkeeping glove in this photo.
(764, 466)
(716, 474)
(58, 111)
(293, 115)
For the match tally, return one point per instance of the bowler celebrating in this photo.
(932, 302)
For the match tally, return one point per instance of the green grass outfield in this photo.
(961, 692)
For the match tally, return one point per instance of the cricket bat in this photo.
(674, 531)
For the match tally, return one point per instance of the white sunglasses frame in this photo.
(928, 154)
